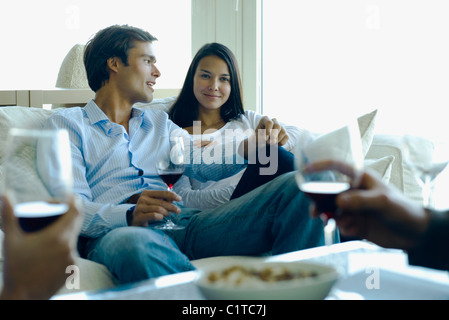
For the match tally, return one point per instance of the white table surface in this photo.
(367, 272)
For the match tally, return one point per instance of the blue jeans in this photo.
(252, 178)
(272, 218)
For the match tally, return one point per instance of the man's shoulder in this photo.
(68, 112)
(66, 118)
(153, 112)
(154, 115)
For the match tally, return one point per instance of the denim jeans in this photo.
(272, 218)
(253, 178)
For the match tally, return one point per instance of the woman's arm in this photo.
(211, 194)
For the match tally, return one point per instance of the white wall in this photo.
(325, 60)
(236, 24)
(35, 36)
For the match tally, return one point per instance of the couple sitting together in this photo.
(113, 147)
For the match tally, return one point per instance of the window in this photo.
(36, 36)
(326, 60)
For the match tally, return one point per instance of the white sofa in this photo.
(382, 153)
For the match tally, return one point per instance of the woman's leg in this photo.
(272, 218)
(254, 177)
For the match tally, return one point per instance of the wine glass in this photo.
(323, 185)
(170, 167)
(37, 175)
(427, 159)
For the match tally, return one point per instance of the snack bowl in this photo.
(255, 279)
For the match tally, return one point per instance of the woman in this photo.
(210, 105)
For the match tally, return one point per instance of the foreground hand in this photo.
(153, 206)
(35, 263)
(374, 211)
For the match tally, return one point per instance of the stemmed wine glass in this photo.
(170, 167)
(427, 160)
(323, 186)
(37, 172)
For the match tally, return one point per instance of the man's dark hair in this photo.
(114, 41)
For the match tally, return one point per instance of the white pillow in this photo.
(366, 126)
(344, 144)
(382, 167)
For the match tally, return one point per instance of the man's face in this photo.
(136, 80)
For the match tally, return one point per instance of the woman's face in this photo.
(212, 82)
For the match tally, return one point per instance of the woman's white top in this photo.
(210, 194)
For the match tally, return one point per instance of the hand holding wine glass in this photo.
(323, 184)
(170, 167)
(38, 199)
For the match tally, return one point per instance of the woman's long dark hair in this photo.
(185, 110)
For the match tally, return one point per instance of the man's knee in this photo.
(135, 253)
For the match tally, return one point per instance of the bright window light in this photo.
(36, 36)
(327, 60)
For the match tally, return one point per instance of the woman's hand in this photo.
(271, 131)
(268, 131)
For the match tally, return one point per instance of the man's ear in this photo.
(113, 64)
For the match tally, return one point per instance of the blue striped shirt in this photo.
(110, 165)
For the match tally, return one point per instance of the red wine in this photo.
(34, 216)
(323, 193)
(170, 178)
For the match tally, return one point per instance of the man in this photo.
(113, 152)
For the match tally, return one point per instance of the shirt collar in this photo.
(94, 113)
(97, 116)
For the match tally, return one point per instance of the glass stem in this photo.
(427, 191)
(167, 219)
(330, 228)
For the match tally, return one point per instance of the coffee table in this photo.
(367, 271)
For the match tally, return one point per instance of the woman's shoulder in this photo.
(248, 119)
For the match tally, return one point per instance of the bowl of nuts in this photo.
(255, 279)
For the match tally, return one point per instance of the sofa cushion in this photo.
(366, 125)
(20, 117)
(402, 175)
(338, 142)
(163, 104)
(382, 167)
(92, 275)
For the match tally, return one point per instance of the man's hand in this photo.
(375, 211)
(154, 206)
